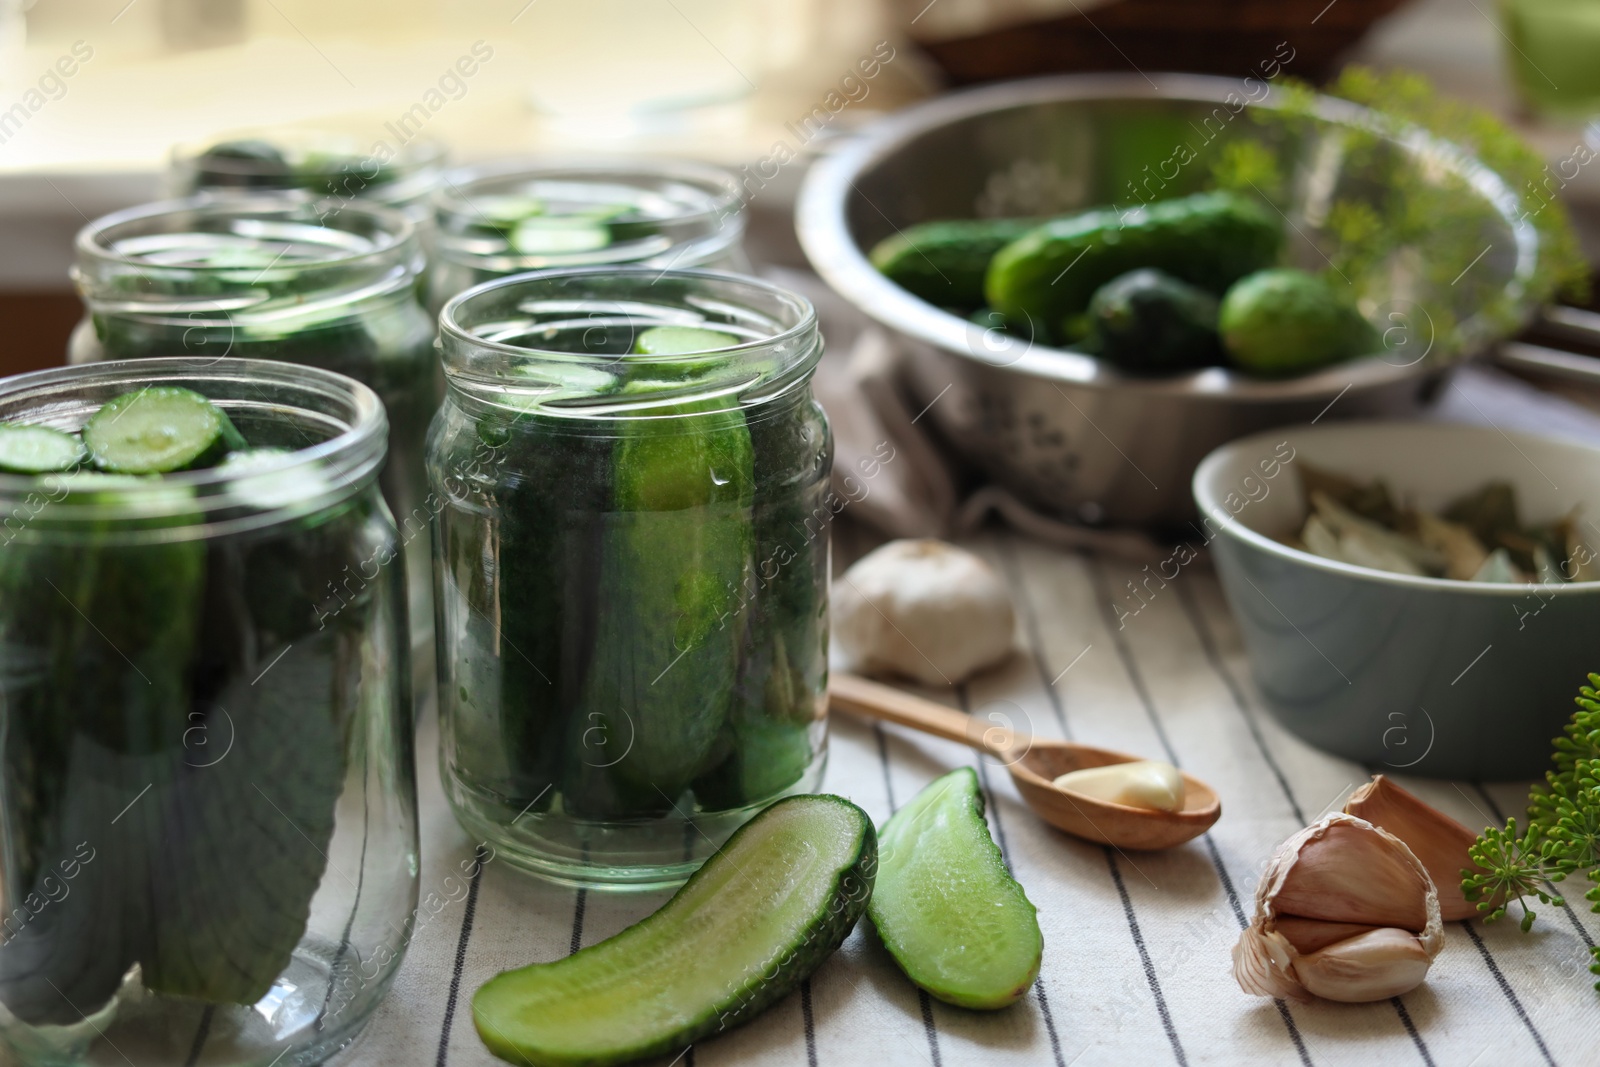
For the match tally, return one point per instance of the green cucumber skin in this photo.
(904, 902)
(674, 552)
(1209, 239)
(945, 262)
(743, 996)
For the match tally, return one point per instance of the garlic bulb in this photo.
(923, 609)
(1433, 837)
(1344, 911)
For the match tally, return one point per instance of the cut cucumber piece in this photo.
(158, 430)
(37, 449)
(681, 340)
(554, 234)
(751, 924)
(947, 909)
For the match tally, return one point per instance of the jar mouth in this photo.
(220, 255)
(332, 429)
(564, 341)
(649, 211)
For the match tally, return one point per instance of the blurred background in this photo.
(95, 93)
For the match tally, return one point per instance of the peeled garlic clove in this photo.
(1435, 838)
(1142, 783)
(923, 609)
(1375, 965)
(1322, 924)
(1343, 872)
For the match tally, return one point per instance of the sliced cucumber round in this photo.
(556, 234)
(38, 449)
(158, 430)
(945, 906)
(681, 340)
(751, 924)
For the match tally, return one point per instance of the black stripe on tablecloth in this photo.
(1411, 1030)
(810, 1023)
(578, 907)
(1572, 915)
(200, 1035)
(467, 916)
(928, 1027)
(1144, 957)
(1505, 987)
(1208, 645)
(1102, 587)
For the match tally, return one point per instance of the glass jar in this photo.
(207, 794)
(320, 284)
(631, 567)
(323, 164)
(509, 218)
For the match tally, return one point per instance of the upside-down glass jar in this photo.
(208, 842)
(323, 164)
(509, 218)
(280, 278)
(631, 564)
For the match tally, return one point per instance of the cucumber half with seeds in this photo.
(751, 924)
(945, 906)
(159, 430)
(28, 449)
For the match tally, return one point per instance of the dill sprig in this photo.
(1562, 836)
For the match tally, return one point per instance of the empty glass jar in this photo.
(281, 278)
(508, 218)
(208, 844)
(631, 564)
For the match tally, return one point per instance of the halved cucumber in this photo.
(752, 923)
(158, 430)
(947, 909)
(37, 449)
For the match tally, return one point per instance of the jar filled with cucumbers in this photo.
(206, 788)
(280, 278)
(632, 566)
(508, 218)
(320, 163)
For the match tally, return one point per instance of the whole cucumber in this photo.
(944, 262)
(1049, 273)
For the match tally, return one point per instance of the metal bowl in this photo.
(1068, 432)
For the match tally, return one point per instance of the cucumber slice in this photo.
(37, 449)
(507, 210)
(555, 234)
(678, 340)
(947, 909)
(751, 924)
(158, 430)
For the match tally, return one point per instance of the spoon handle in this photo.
(877, 701)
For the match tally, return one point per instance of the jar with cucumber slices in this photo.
(280, 278)
(320, 163)
(207, 795)
(631, 564)
(508, 218)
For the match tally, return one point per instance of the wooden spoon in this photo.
(1034, 764)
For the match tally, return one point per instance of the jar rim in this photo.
(387, 227)
(454, 197)
(449, 326)
(330, 470)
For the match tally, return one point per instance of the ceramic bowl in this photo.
(1422, 675)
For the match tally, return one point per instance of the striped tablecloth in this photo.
(1136, 962)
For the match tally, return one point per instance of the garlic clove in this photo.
(1436, 839)
(1310, 935)
(1375, 965)
(1322, 918)
(1144, 783)
(1340, 872)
